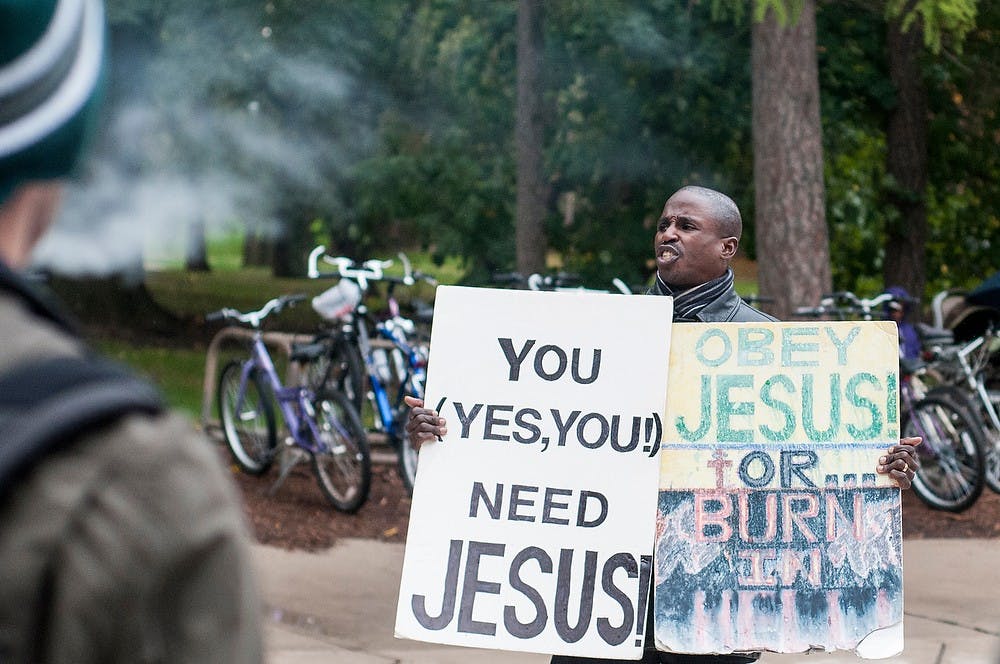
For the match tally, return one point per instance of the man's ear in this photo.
(729, 247)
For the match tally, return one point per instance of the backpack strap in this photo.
(46, 404)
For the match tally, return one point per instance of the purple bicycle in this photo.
(322, 425)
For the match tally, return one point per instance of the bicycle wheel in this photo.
(951, 475)
(991, 435)
(406, 454)
(991, 383)
(343, 466)
(248, 423)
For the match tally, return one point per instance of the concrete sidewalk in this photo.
(340, 606)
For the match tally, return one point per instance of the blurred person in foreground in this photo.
(695, 241)
(127, 543)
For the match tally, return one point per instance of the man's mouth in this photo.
(668, 253)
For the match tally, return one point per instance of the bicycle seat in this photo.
(307, 352)
(934, 335)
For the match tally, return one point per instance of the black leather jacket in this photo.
(729, 308)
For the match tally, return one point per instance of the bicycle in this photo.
(375, 361)
(951, 470)
(963, 370)
(323, 424)
(845, 305)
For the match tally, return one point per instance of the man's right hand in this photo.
(423, 424)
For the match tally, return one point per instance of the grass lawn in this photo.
(191, 295)
(178, 372)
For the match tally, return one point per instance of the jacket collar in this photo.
(722, 309)
(37, 301)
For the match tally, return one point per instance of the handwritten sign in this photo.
(774, 532)
(532, 522)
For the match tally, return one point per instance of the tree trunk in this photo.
(196, 255)
(792, 242)
(530, 240)
(256, 247)
(293, 242)
(281, 257)
(906, 138)
(287, 257)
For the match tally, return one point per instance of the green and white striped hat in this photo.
(51, 67)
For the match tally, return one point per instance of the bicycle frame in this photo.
(910, 394)
(974, 379)
(411, 381)
(287, 398)
(413, 371)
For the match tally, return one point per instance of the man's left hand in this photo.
(900, 463)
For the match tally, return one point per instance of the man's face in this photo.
(688, 248)
(24, 218)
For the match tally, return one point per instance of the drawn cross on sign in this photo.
(720, 463)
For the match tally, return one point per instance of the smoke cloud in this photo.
(204, 131)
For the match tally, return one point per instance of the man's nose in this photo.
(669, 232)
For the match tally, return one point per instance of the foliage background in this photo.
(374, 127)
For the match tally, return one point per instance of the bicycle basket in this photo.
(337, 302)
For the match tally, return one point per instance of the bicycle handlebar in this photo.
(621, 286)
(254, 318)
(411, 276)
(372, 269)
(562, 281)
(845, 302)
(508, 278)
(866, 305)
(813, 311)
(559, 283)
(537, 282)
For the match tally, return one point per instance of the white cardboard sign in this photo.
(532, 522)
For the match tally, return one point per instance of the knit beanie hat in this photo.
(51, 67)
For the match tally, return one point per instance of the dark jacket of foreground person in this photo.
(125, 541)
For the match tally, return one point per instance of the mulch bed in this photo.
(297, 515)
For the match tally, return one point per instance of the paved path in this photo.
(340, 605)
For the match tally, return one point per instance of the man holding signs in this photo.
(695, 241)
